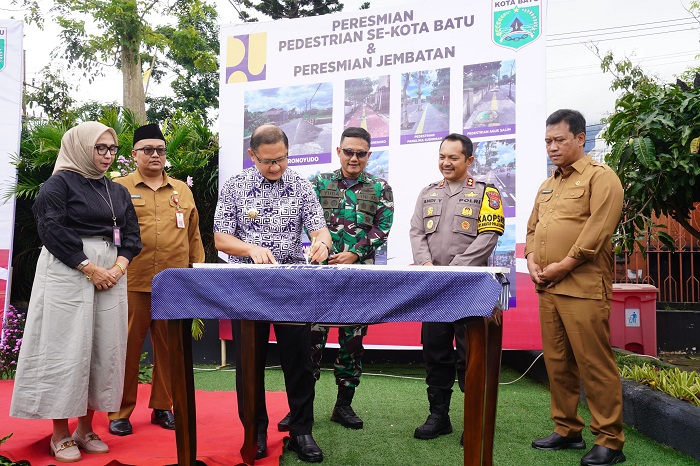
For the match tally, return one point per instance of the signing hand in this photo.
(318, 252)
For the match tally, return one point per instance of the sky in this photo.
(659, 35)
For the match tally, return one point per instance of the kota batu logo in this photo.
(516, 23)
(3, 47)
(246, 58)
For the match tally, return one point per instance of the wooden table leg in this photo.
(252, 377)
(484, 343)
(182, 385)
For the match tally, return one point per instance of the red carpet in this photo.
(219, 433)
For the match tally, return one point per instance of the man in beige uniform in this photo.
(456, 221)
(170, 234)
(569, 257)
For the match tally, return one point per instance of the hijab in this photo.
(77, 145)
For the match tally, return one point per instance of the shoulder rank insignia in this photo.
(470, 181)
(441, 184)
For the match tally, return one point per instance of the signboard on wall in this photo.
(410, 75)
(10, 130)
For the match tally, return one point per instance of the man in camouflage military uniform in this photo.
(359, 211)
(456, 221)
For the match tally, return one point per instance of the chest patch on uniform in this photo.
(465, 225)
(470, 194)
(468, 211)
(433, 194)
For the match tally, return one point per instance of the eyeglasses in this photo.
(361, 154)
(269, 163)
(149, 150)
(102, 149)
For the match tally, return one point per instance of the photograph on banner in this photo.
(489, 98)
(425, 105)
(494, 163)
(367, 106)
(304, 113)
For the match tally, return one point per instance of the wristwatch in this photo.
(82, 265)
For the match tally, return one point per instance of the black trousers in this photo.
(294, 345)
(442, 361)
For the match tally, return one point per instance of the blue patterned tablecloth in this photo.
(327, 294)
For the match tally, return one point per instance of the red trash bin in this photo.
(633, 318)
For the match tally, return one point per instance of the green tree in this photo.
(650, 133)
(277, 9)
(52, 94)
(32, 13)
(192, 56)
(121, 31)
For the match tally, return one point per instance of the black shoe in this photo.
(283, 425)
(120, 427)
(435, 426)
(164, 418)
(602, 456)
(557, 442)
(306, 448)
(261, 452)
(345, 416)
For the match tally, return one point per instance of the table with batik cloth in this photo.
(319, 293)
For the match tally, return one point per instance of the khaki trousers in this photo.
(576, 345)
(139, 324)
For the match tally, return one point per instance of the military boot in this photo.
(438, 423)
(343, 412)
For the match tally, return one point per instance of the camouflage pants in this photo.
(348, 362)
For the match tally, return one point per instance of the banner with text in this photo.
(10, 129)
(410, 76)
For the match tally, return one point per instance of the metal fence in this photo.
(673, 273)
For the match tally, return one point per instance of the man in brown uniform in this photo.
(569, 257)
(456, 221)
(170, 234)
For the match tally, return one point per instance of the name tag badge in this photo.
(116, 237)
(136, 196)
(546, 191)
(180, 219)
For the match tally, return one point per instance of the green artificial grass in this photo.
(392, 402)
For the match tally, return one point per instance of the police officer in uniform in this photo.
(456, 221)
